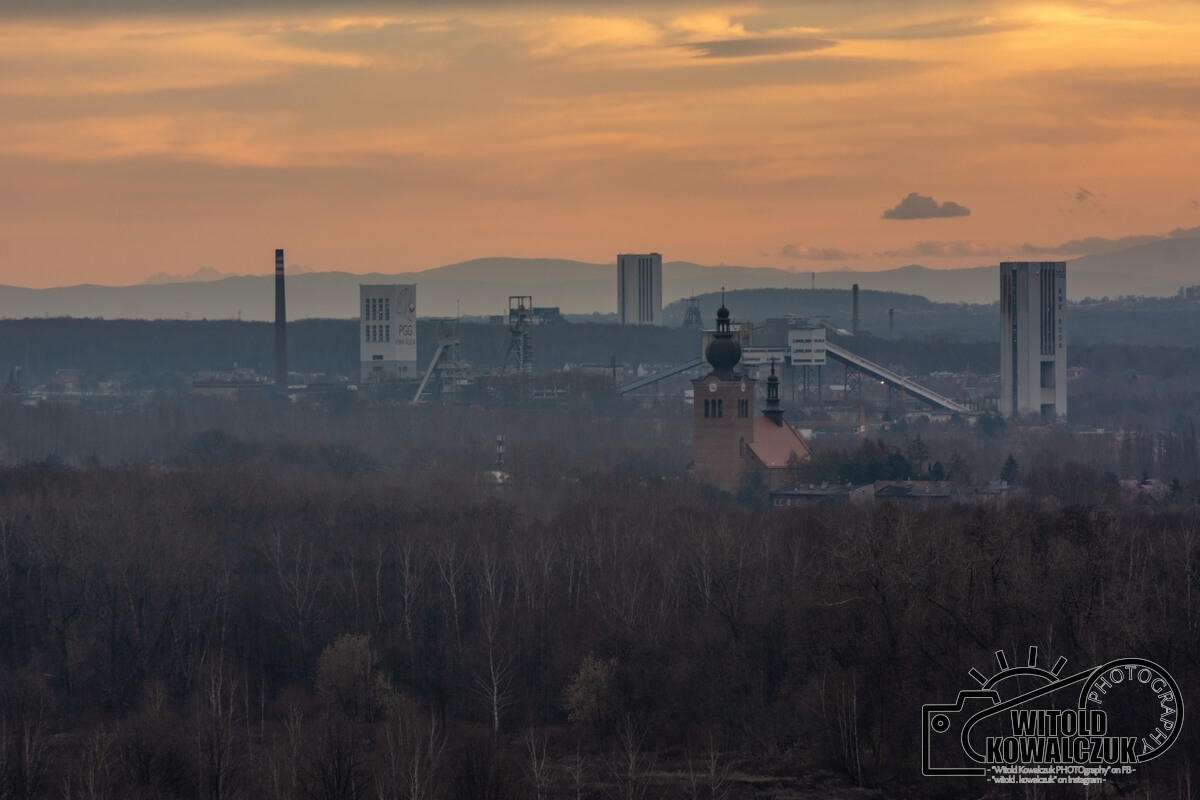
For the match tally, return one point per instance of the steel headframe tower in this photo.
(519, 357)
(281, 366)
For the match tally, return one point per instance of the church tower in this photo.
(723, 413)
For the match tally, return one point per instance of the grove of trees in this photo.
(255, 630)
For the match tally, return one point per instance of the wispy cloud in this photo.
(751, 47)
(568, 34)
(949, 28)
(145, 57)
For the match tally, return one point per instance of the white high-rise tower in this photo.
(639, 288)
(1033, 347)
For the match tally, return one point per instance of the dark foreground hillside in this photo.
(257, 631)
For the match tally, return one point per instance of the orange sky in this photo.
(415, 134)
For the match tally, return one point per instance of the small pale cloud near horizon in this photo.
(1090, 245)
(953, 249)
(919, 206)
(815, 253)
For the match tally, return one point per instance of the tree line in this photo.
(249, 630)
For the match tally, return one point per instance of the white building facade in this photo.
(639, 288)
(387, 334)
(1033, 347)
(807, 347)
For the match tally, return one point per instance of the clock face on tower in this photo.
(743, 384)
(712, 386)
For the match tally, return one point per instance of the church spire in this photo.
(723, 352)
(773, 412)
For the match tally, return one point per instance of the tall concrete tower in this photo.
(281, 365)
(639, 288)
(1033, 348)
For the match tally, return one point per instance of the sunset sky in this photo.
(811, 134)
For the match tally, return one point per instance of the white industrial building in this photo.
(639, 288)
(807, 346)
(387, 336)
(1033, 348)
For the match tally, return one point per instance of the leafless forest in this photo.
(303, 603)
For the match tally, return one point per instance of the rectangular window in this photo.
(387, 308)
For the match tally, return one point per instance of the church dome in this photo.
(723, 351)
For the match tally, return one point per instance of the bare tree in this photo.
(412, 754)
(493, 681)
(629, 764)
(23, 740)
(90, 777)
(452, 565)
(217, 752)
(539, 770)
(301, 581)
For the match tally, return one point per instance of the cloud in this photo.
(945, 29)
(566, 34)
(918, 206)
(954, 249)
(1087, 199)
(814, 253)
(1090, 245)
(748, 48)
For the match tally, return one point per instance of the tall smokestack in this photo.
(281, 369)
(891, 323)
(854, 325)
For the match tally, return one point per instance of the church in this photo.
(730, 441)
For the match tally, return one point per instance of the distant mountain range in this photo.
(482, 286)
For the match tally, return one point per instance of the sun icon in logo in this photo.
(1031, 669)
(1006, 682)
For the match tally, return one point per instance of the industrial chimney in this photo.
(281, 368)
(854, 325)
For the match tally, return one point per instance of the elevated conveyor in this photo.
(892, 379)
(437, 355)
(641, 383)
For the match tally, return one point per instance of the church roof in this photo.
(773, 444)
